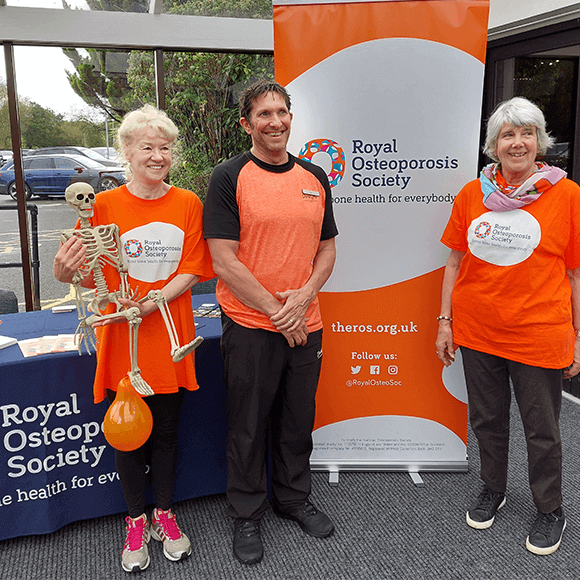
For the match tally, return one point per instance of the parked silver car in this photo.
(5, 156)
(107, 152)
(71, 150)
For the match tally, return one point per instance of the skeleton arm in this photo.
(177, 352)
(177, 286)
(121, 266)
(71, 256)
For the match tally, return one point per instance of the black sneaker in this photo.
(311, 520)
(247, 541)
(482, 514)
(546, 533)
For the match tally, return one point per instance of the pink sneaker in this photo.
(135, 556)
(176, 545)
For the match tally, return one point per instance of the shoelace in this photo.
(168, 524)
(544, 524)
(486, 499)
(135, 533)
(309, 509)
(248, 529)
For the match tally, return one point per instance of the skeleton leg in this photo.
(84, 333)
(138, 382)
(178, 353)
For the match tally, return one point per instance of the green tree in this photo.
(40, 127)
(224, 8)
(201, 98)
(84, 133)
(101, 77)
(5, 140)
(98, 86)
(119, 5)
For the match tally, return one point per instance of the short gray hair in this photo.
(518, 112)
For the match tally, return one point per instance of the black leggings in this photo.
(159, 452)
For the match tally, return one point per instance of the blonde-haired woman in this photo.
(161, 233)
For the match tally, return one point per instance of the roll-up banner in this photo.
(387, 98)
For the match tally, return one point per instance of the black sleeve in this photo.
(221, 217)
(329, 229)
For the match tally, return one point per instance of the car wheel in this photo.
(108, 183)
(12, 191)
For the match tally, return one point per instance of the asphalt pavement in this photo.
(54, 215)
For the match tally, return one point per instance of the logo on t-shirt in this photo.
(483, 230)
(153, 251)
(504, 238)
(133, 248)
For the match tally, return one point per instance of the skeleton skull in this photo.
(81, 197)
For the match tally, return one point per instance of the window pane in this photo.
(550, 83)
(202, 91)
(70, 97)
(223, 8)
(42, 163)
(63, 163)
(110, 5)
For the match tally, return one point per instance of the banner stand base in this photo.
(335, 465)
(333, 478)
(417, 480)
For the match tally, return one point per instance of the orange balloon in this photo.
(128, 421)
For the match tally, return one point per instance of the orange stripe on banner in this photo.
(406, 356)
(299, 43)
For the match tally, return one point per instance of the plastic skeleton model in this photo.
(103, 246)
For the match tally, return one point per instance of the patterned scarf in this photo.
(499, 196)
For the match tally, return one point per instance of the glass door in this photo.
(551, 83)
(543, 67)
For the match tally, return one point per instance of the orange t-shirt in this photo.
(512, 297)
(279, 214)
(160, 239)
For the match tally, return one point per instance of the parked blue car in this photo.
(52, 174)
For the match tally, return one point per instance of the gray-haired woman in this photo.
(511, 301)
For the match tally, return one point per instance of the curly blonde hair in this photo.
(135, 121)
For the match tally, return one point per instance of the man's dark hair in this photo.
(260, 88)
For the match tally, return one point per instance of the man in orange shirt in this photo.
(270, 228)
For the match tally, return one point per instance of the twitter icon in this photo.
(355, 370)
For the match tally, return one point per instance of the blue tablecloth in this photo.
(55, 464)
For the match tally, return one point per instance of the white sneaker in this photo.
(176, 545)
(135, 556)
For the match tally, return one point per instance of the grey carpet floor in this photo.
(385, 528)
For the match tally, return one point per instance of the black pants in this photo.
(159, 452)
(270, 388)
(538, 392)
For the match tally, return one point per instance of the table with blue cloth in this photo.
(55, 465)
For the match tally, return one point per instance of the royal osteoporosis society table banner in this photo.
(387, 98)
